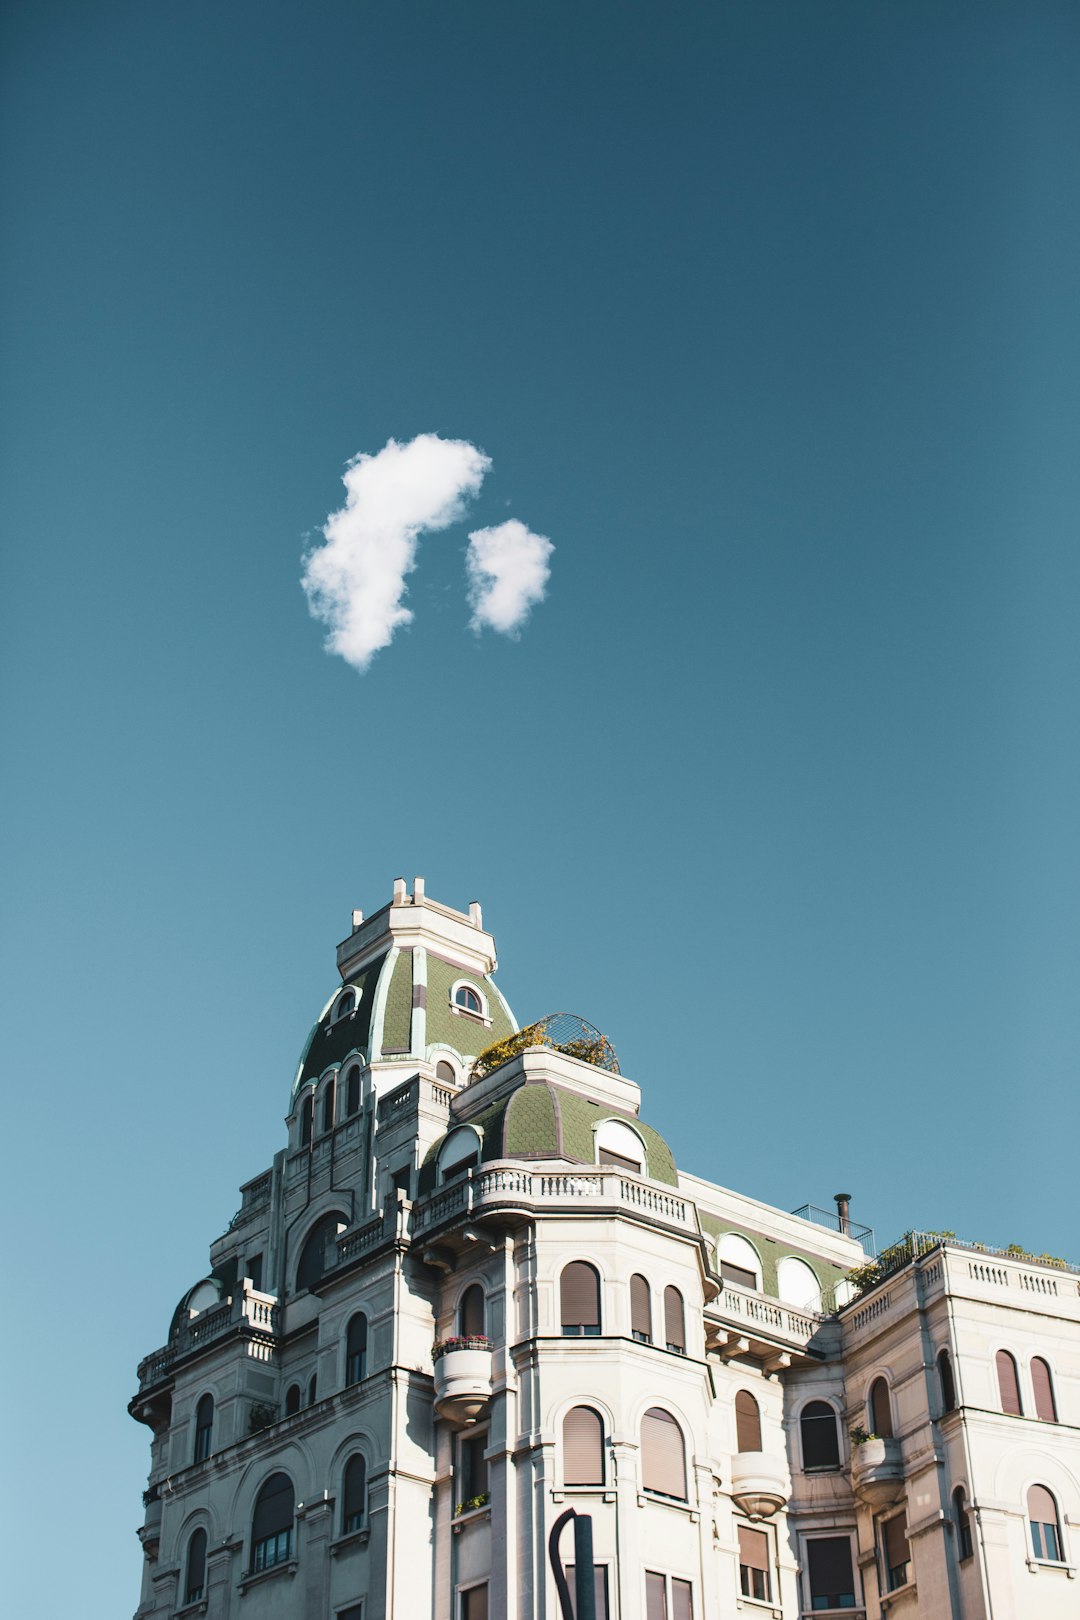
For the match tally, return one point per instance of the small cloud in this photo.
(355, 582)
(508, 571)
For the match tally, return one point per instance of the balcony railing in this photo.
(767, 1324)
(507, 1185)
(254, 1315)
(863, 1235)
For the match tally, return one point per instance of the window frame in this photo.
(886, 1430)
(353, 1523)
(961, 1519)
(352, 1089)
(203, 1444)
(480, 1014)
(581, 1330)
(820, 1467)
(894, 1576)
(669, 1580)
(195, 1594)
(761, 1530)
(601, 1449)
(1049, 1391)
(657, 1413)
(1037, 1526)
(747, 1395)
(743, 1246)
(274, 1549)
(471, 1468)
(1001, 1352)
(808, 1605)
(356, 1359)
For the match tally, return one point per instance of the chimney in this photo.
(843, 1210)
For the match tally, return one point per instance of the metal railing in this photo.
(863, 1235)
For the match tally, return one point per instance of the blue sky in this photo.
(766, 315)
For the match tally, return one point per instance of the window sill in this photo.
(351, 1539)
(897, 1592)
(288, 1566)
(474, 1018)
(199, 1606)
(599, 1493)
(462, 1520)
(655, 1499)
(757, 1605)
(1037, 1565)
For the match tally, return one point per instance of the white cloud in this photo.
(356, 581)
(508, 570)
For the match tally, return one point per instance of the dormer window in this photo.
(346, 1004)
(619, 1147)
(466, 998)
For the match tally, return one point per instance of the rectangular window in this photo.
(895, 1553)
(474, 1603)
(655, 1596)
(273, 1550)
(600, 1573)
(754, 1562)
(254, 1271)
(472, 1471)
(667, 1597)
(1044, 1542)
(829, 1572)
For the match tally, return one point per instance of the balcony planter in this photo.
(759, 1483)
(877, 1471)
(462, 1378)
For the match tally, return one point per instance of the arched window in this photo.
(820, 1444)
(663, 1456)
(1043, 1387)
(1045, 1525)
(307, 1113)
(945, 1379)
(739, 1263)
(1008, 1384)
(312, 1389)
(619, 1147)
(579, 1293)
(796, 1284)
(471, 1312)
(880, 1405)
(271, 1524)
(747, 1422)
(328, 1107)
(313, 1256)
(962, 1523)
(345, 1005)
(640, 1309)
(446, 1072)
(356, 1349)
(674, 1326)
(460, 1152)
(583, 1447)
(469, 1000)
(352, 1091)
(292, 1400)
(204, 1428)
(195, 1573)
(354, 1495)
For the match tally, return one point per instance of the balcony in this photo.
(741, 1323)
(877, 1472)
(759, 1483)
(505, 1186)
(251, 1315)
(462, 1378)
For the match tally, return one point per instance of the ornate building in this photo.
(475, 1289)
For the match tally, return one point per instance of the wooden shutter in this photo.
(273, 1508)
(682, 1600)
(829, 1565)
(663, 1460)
(1008, 1385)
(674, 1329)
(896, 1542)
(1045, 1408)
(655, 1596)
(820, 1446)
(747, 1422)
(580, 1294)
(472, 1311)
(583, 1447)
(1042, 1509)
(753, 1548)
(881, 1409)
(640, 1307)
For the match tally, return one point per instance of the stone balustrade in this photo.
(506, 1185)
(251, 1313)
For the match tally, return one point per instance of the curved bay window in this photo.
(356, 1349)
(579, 1297)
(354, 1495)
(674, 1324)
(204, 1428)
(747, 1422)
(583, 1447)
(820, 1442)
(272, 1524)
(195, 1571)
(663, 1455)
(1044, 1524)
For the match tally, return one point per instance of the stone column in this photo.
(316, 1529)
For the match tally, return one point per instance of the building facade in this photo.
(475, 1290)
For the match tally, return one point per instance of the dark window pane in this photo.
(820, 1443)
(601, 1577)
(829, 1570)
(655, 1596)
(474, 1603)
(948, 1387)
(196, 1567)
(354, 1495)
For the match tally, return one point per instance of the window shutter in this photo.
(820, 1446)
(1042, 1509)
(682, 1600)
(655, 1596)
(829, 1562)
(674, 1330)
(474, 1603)
(580, 1293)
(273, 1508)
(1045, 1409)
(583, 1447)
(640, 1307)
(881, 1409)
(1008, 1386)
(472, 1311)
(663, 1462)
(747, 1422)
(738, 1276)
(896, 1542)
(753, 1548)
